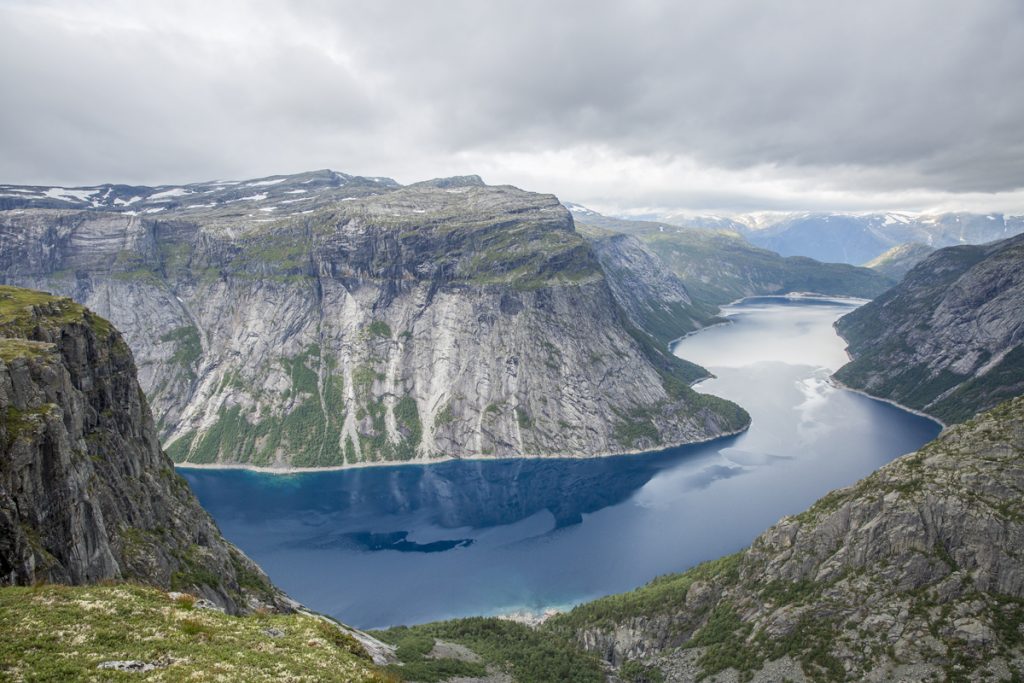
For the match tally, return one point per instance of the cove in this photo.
(406, 544)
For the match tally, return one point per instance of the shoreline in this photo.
(725, 320)
(287, 470)
(835, 382)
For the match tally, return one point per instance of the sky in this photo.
(709, 106)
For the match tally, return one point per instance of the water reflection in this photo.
(387, 545)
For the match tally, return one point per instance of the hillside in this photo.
(949, 339)
(655, 299)
(326, 320)
(911, 574)
(86, 494)
(719, 266)
(897, 262)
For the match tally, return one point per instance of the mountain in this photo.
(897, 262)
(107, 561)
(911, 574)
(654, 298)
(851, 238)
(86, 494)
(324, 319)
(717, 267)
(949, 339)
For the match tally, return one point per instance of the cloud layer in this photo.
(717, 105)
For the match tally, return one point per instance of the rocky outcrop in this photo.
(327, 320)
(86, 494)
(949, 339)
(915, 572)
(897, 262)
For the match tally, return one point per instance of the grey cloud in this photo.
(878, 96)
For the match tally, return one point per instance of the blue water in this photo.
(407, 544)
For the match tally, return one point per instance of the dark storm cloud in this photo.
(840, 102)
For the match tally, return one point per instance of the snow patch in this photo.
(167, 194)
(257, 183)
(251, 198)
(64, 194)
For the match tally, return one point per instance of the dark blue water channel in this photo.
(407, 544)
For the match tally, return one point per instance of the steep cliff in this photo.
(914, 573)
(322, 319)
(86, 494)
(653, 297)
(949, 339)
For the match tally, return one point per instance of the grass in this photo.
(529, 655)
(23, 348)
(663, 595)
(22, 311)
(62, 633)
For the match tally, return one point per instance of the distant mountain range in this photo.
(718, 266)
(847, 238)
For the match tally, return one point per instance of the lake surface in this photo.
(407, 544)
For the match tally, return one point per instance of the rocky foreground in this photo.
(915, 573)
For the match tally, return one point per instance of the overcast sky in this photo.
(712, 106)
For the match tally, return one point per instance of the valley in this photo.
(432, 542)
(512, 342)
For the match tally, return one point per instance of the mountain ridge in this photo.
(375, 323)
(949, 339)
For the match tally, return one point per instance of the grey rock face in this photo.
(445, 319)
(653, 297)
(86, 494)
(897, 262)
(949, 339)
(914, 571)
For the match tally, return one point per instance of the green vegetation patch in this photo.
(62, 633)
(23, 348)
(187, 348)
(379, 328)
(22, 311)
(663, 595)
(412, 650)
(529, 655)
(636, 429)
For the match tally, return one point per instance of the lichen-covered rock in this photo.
(86, 494)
